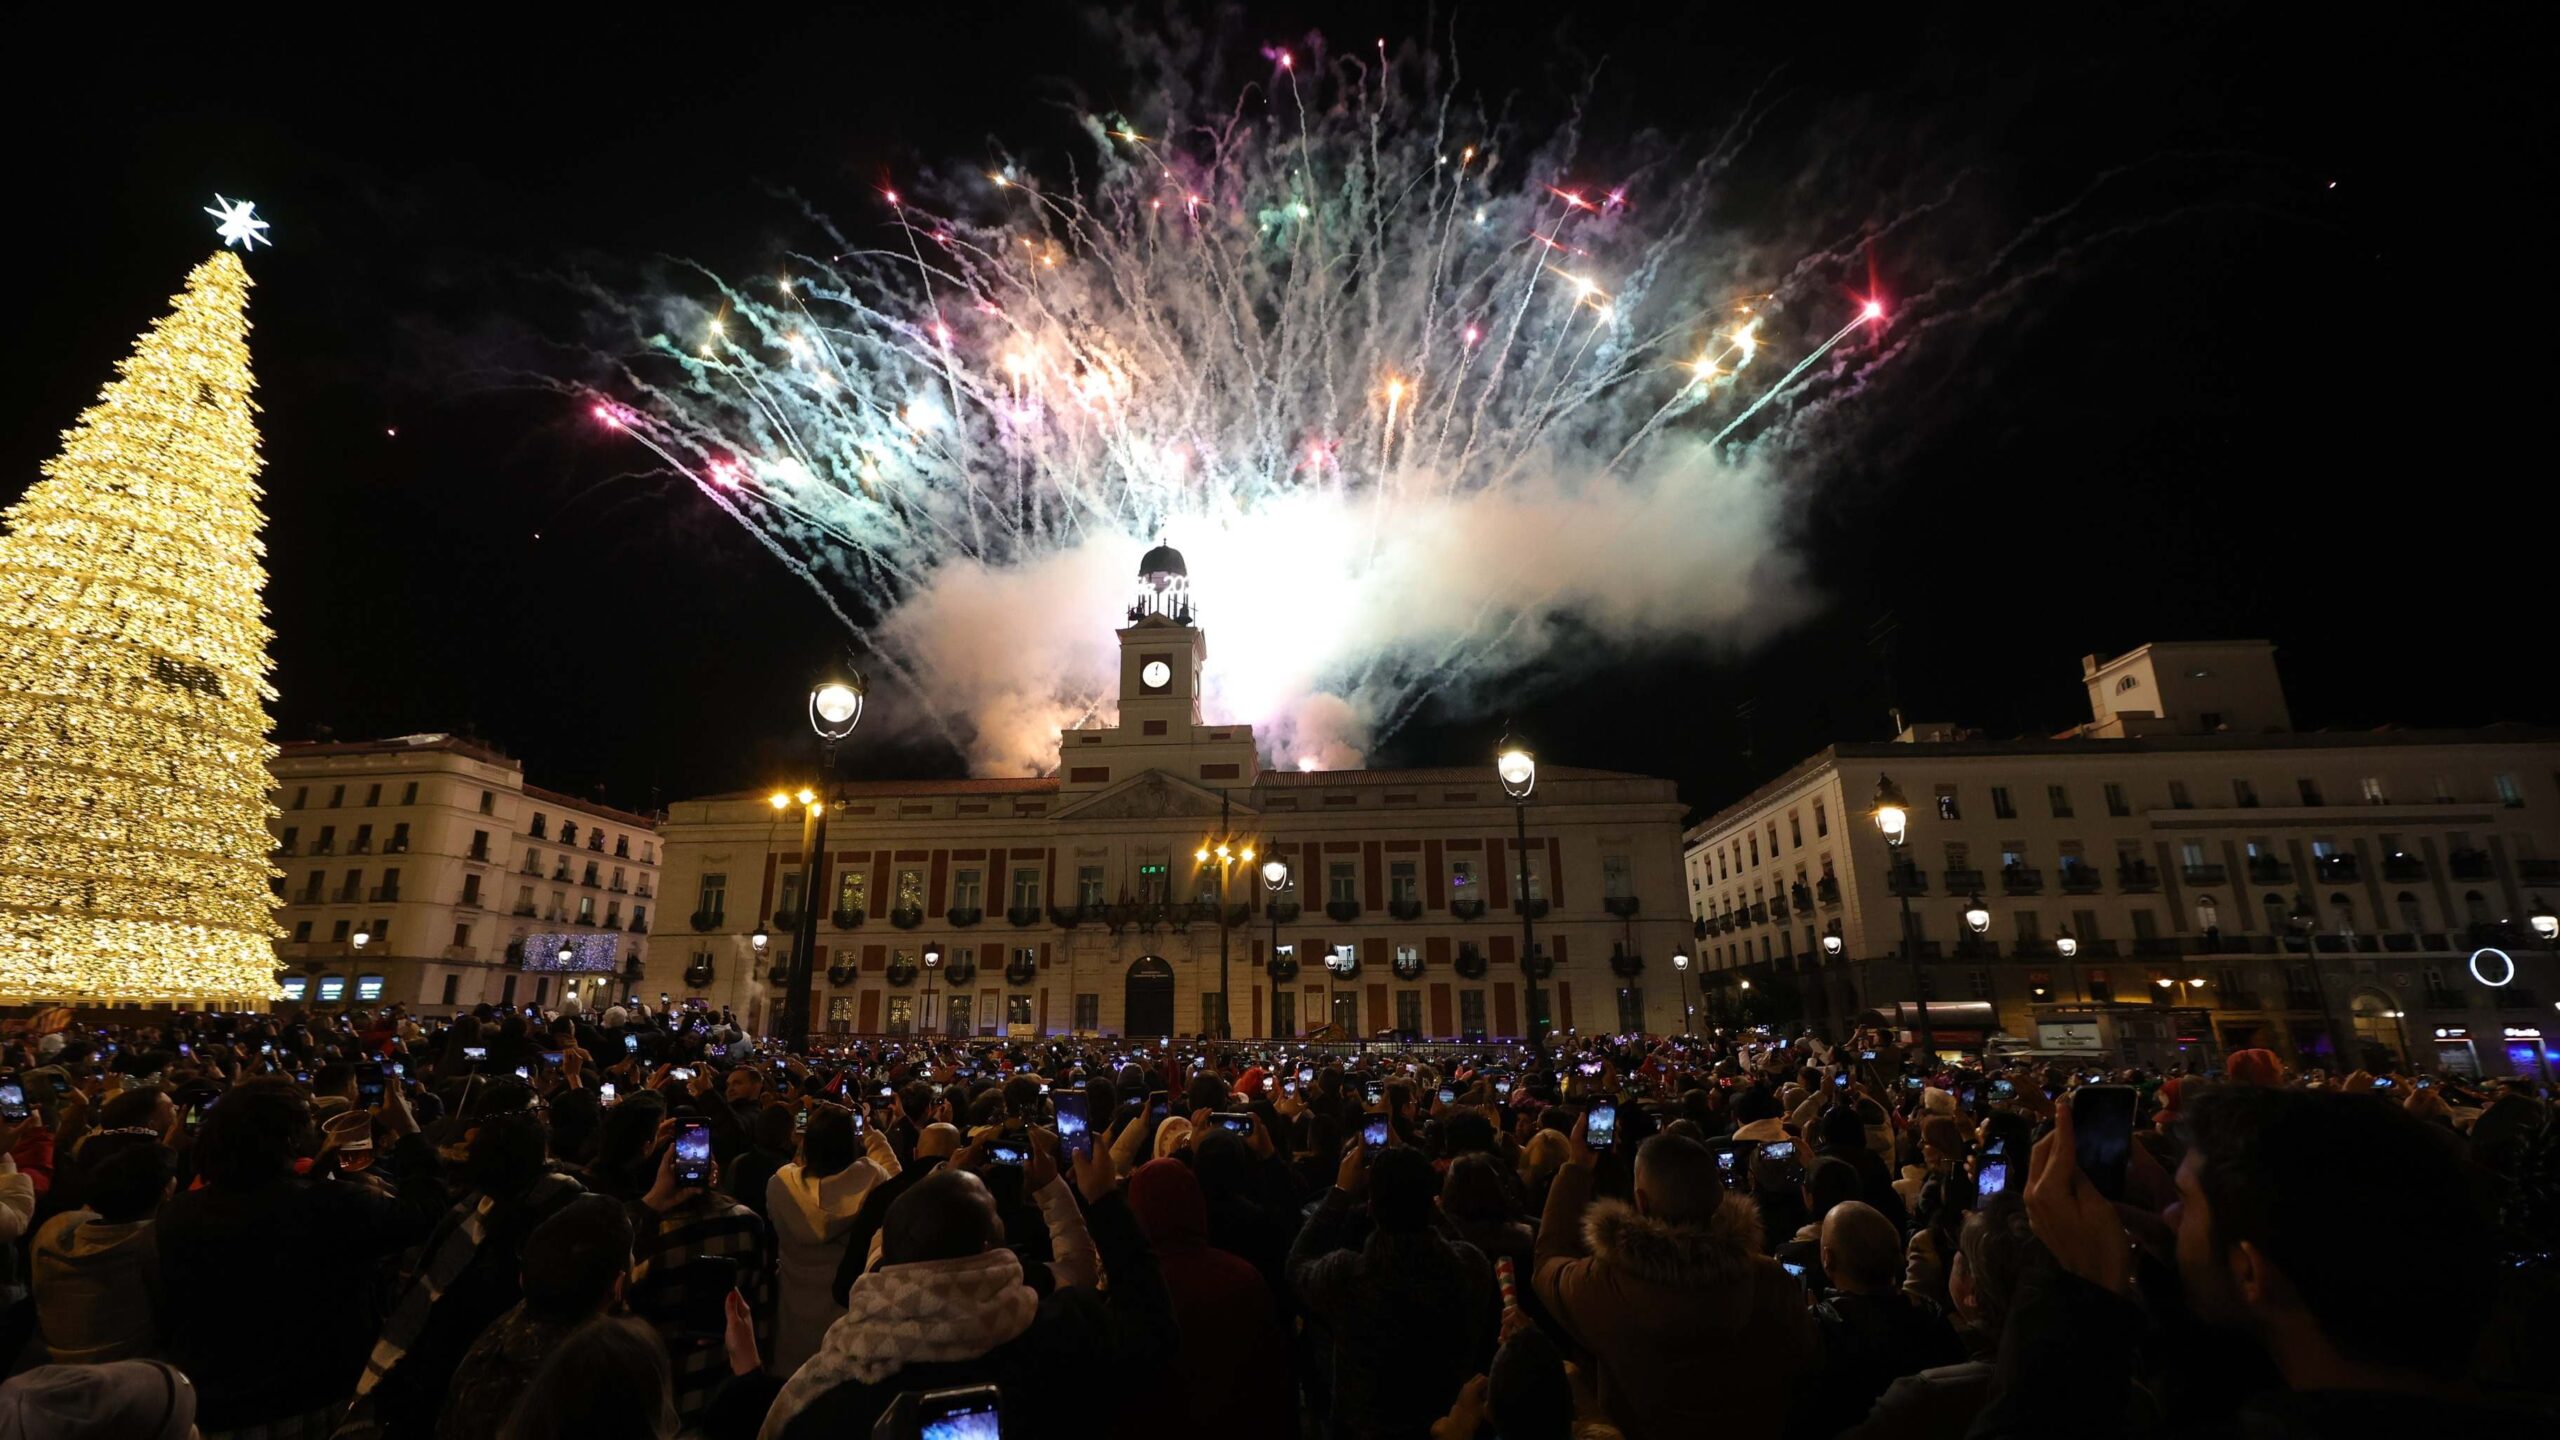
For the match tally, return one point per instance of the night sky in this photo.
(2253, 406)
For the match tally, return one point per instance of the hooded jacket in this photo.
(812, 1219)
(97, 1289)
(1227, 1375)
(1692, 1329)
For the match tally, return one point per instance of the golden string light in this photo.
(134, 788)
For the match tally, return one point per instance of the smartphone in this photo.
(369, 1083)
(859, 1124)
(1372, 1092)
(800, 1123)
(1590, 1067)
(693, 1153)
(2102, 1122)
(1501, 1087)
(2383, 1082)
(1160, 1107)
(1013, 1147)
(301, 1077)
(888, 1092)
(473, 1053)
(609, 1094)
(1448, 1096)
(1792, 1268)
(1373, 1132)
(1866, 1054)
(1781, 1151)
(186, 1049)
(61, 1084)
(268, 1047)
(631, 1044)
(1288, 1087)
(1969, 1097)
(1075, 1129)
(1306, 1074)
(1600, 1126)
(1234, 1122)
(1990, 1180)
(681, 1072)
(973, 1413)
(1840, 1081)
(2004, 1089)
(13, 1100)
(1726, 1163)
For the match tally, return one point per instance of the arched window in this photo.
(2343, 912)
(2475, 907)
(2273, 907)
(2208, 914)
(2412, 918)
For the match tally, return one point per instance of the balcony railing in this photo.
(1827, 890)
(1342, 909)
(324, 847)
(1624, 906)
(639, 925)
(2021, 880)
(383, 894)
(310, 896)
(526, 910)
(1907, 880)
(477, 852)
(1778, 907)
(2403, 869)
(2268, 870)
(468, 902)
(1408, 908)
(2137, 876)
(2338, 868)
(591, 882)
(618, 888)
(2079, 879)
(360, 846)
(2538, 871)
(396, 845)
(1965, 879)
(2206, 874)
(2470, 865)
(644, 892)
(348, 894)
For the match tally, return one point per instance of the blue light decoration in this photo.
(588, 954)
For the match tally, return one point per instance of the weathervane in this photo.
(240, 223)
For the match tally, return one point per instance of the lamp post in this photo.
(1228, 856)
(1518, 770)
(2302, 920)
(1681, 964)
(2545, 923)
(1275, 878)
(1893, 819)
(835, 707)
(932, 967)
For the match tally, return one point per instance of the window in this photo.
(2057, 798)
(715, 894)
(1795, 830)
(1821, 820)
(2444, 790)
(2001, 809)
(1342, 883)
(586, 909)
(1152, 880)
(1088, 1012)
(787, 896)
(1026, 888)
(1404, 881)
(613, 914)
(409, 793)
(902, 1014)
(301, 932)
(327, 844)
(294, 987)
(2343, 911)
(1462, 879)
(338, 930)
(2191, 855)
(2179, 799)
(968, 890)
(2412, 918)
(2013, 855)
(301, 796)
(488, 806)
(1947, 807)
(461, 936)
(2373, 791)
(2115, 799)
(1773, 839)
(470, 889)
(337, 796)
(1471, 1014)
(1630, 1009)
(591, 878)
(2030, 930)
(568, 832)
(1408, 962)
(452, 989)
(1980, 982)
(2510, 794)
(910, 889)
(1339, 958)
(639, 919)
(2309, 790)
(331, 988)
(507, 990)
(1088, 893)
(1755, 849)
(1409, 1011)
(291, 836)
(1617, 877)
(369, 987)
(373, 795)
(1284, 1011)
(363, 843)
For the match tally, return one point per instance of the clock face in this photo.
(1157, 675)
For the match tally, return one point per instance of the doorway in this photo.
(1346, 1013)
(1147, 1006)
(956, 1015)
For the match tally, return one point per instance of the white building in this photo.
(424, 870)
(1076, 902)
(2221, 879)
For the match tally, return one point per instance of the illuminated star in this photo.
(240, 223)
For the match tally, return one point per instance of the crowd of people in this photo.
(644, 1224)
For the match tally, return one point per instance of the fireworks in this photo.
(1297, 341)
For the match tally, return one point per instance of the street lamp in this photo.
(932, 967)
(1893, 819)
(567, 953)
(2544, 922)
(1832, 945)
(1517, 767)
(835, 707)
(2066, 944)
(1681, 964)
(1228, 855)
(1275, 878)
(1977, 916)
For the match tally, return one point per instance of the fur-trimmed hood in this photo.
(1687, 1257)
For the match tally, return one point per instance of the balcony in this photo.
(2337, 869)
(595, 842)
(2538, 872)
(383, 894)
(1907, 880)
(1624, 906)
(396, 845)
(525, 910)
(639, 925)
(360, 846)
(288, 851)
(324, 847)
(2137, 877)
(1407, 908)
(704, 921)
(1827, 891)
(1342, 909)
(533, 870)
(1961, 881)
(310, 896)
(2021, 880)
(2403, 869)
(1022, 915)
(1534, 909)
(2079, 879)
(618, 888)
(2206, 874)
(347, 894)
(591, 882)
(561, 875)
(906, 917)
(477, 852)
(965, 915)
(2470, 865)
(644, 892)
(2268, 870)
(1778, 906)
(1759, 913)
(621, 849)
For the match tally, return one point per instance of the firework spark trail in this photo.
(1326, 345)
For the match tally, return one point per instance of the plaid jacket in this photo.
(679, 1295)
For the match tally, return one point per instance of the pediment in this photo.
(1153, 795)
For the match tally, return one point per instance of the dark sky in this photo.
(2272, 409)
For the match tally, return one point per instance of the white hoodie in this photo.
(811, 1219)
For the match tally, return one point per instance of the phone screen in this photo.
(552, 1057)
(2102, 1122)
(2003, 1089)
(1010, 1151)
(13, 1100)
(1234, 1122)
(800, 1122)
(1840, 1081)
(1792, 1268)
(1160, 1107)
(1306, 1074)
(631, 1044)
(369, 1084)
(1782, 1151)
(1448, 1096)
(469, 1052)
(609, 1093)
(1373, 1132)
(971, 1414)
(693, 1153)
(1600, 1127)
(1992, 1180)
(1075, 1133)
(1866, 1054)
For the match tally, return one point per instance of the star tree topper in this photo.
(240, 223)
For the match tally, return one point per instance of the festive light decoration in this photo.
(588, 954)
(134, 800)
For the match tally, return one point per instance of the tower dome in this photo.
(1164, 586)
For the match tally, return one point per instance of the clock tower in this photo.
(1162, 651)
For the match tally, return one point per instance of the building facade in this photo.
(423, 870)
(1095, 900)
(2182, 876)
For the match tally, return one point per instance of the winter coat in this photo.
(1412, 1318)
(1868, 1342)
(812, 1218)
(1229, 1372)
(1693, 1331)
(97, 1289)
(1938, 1403)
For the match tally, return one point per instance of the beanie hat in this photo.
(126, 1400)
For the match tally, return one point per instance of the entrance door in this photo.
(1147, 1007)
(957, 1017)
(1346, 1012)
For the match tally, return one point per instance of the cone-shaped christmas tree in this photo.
(133, 683)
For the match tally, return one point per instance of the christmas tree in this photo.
(133, 680)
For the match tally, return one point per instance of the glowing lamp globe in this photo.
(1832, 945)
(932, 956)
(1680, 962)
(2545, 923)
(2164, 982)
(567, 953)
(760, 938)
(1275, 873)
(1892, 812)
(835, 705)
(2066, 944)
(361, 939)
(1517, 767)
(1977, 916)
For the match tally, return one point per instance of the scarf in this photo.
(901, 1315)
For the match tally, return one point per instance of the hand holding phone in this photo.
(2102, 1134)
(693, 1154)
(1600, 1126)
(1075, 1130)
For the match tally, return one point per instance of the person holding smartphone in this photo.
(811, 1203)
